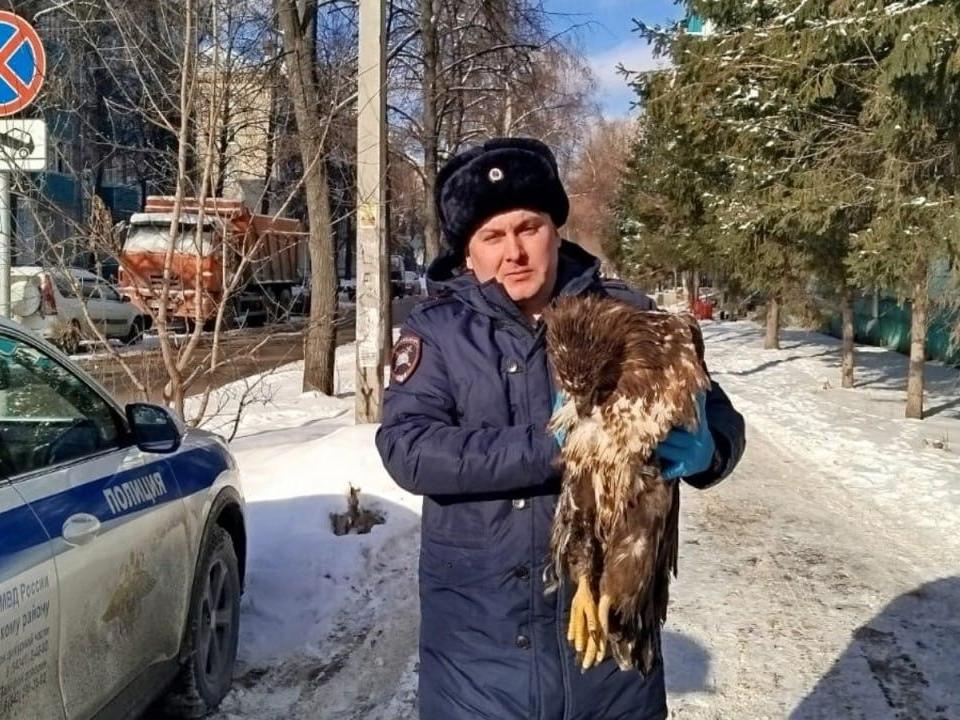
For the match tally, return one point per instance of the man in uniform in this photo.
(465, 427)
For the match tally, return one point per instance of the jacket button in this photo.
(522, 572)
(523, 642)
(519, 503)
(513, 366)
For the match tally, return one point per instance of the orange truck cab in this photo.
(266, 255)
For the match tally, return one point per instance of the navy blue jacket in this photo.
(467, 432)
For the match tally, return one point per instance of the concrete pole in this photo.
(5, 244)
(371, 215)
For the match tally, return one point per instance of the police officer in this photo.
(465, 427)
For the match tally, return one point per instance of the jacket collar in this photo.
(577, 270)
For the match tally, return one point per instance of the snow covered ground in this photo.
(316, 605)
(819, 581)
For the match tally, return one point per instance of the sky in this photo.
(607, 38)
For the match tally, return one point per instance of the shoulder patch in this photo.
(405, 358)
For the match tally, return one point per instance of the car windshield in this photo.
(156, 238)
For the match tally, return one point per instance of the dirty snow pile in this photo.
(298, 453)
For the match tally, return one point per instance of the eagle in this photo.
(627, 377)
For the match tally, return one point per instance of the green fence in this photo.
(889, 327)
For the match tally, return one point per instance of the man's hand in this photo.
(683, 453)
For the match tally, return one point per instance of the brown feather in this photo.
(631, 376)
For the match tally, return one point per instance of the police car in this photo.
(122, 548)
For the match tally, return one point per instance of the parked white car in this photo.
(45, 301)
(122, 548)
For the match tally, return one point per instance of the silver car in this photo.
(122, 548)
(45, 300)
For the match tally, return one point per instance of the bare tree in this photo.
(300, 56)
(593, 181)
(461, 72)
(196, 75)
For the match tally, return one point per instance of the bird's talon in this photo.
(584, 631)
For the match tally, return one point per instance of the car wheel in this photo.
(286, 305)
(137, 328)
(212, 630)
(231, 315)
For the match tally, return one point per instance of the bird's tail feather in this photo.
(634, 636)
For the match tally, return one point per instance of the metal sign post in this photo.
(23, 143)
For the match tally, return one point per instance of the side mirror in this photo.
(154, 428)
(124, 298)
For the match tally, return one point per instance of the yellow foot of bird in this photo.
(588, 625)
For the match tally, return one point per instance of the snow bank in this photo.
(298, 453)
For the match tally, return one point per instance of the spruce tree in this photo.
(838, 130)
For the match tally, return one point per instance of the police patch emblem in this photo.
(406, 357)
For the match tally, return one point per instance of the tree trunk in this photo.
(918, 351)
(772, 339)
(173, 391)
(267, 195)
(689, 289)
(320, 338)
(847, 362)
(506, 128)
(308, 31)
(223, 140)
(428, 33)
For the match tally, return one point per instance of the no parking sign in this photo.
(22, 63)
(22, 141)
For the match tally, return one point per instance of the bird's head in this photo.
(586, 353)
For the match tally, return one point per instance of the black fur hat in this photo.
(502, 174)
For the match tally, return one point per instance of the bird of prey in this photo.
(628, 376)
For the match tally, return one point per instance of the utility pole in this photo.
(373, 295)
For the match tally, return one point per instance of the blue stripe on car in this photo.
(192, 471)
(20, 530)
(197, 469)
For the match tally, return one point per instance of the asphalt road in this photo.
(247, 352)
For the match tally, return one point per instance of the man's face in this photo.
(519, 249)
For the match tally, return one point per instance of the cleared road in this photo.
(247, 352)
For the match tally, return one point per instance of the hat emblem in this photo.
(495, 174)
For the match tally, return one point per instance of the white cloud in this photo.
(614, 93)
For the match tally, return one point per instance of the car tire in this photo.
(212, 631)
(285, 300)
(137, 328)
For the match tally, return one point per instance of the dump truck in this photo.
(209, 250)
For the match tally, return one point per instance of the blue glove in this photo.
(684, 453)
(559, 400)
